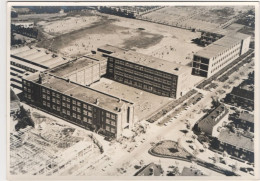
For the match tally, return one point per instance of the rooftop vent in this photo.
(177, 69)
(97, 101)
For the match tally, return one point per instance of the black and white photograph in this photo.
(127, 90)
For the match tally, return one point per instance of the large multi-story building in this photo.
(145, 72)
(219, 54)
(80, 105)
(85, 70)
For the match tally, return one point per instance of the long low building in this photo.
(219, 54)
(27, 60)
(79, 104)
(236, 144)
(148, 73)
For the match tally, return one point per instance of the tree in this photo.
(216, 157)
(235, 167)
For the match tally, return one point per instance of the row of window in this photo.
(110, 122)
(23, 67)
(26, 83)
(223, 58)
(110, 129)
(26, 89)
(219, 66)
(134, 77)
(140, 68)
(28, 96)
(222, 53)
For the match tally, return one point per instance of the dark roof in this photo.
(237, 91)
(246, 117)
(13, 96)
(191, 172)
(146, 171)
(238, 140)
(210, 119)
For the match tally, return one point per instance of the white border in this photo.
(7, 93)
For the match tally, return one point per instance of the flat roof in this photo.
(96, 57)
(81, 93)
(39, 56)
(234, 139)
(221, 45)
(148, 61)
(111, 48)
(210, 51)
(72, 66)
(27, 64)
(19, 49)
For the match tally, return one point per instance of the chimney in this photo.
(68, 80)
(97, 101)
(71, 95)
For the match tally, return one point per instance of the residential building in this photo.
(211, 123)
(242, 95)
(219, 54)
(245, 121)
(236, 144)
(150, 170)
(145, 72)
(191, 172)
(77, 104)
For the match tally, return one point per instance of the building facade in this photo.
(245, 121)
(219, 54)
(237, 145)
(211, 123)
(147, 73)
(78, 104)
(84, 70)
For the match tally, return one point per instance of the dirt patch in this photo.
(103, 26)
(143, 40)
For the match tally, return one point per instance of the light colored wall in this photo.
(245, 45)
(215, 133)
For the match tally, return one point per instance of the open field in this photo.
(199, 17)
(91, 32)
(145, 102)
(58, 27)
